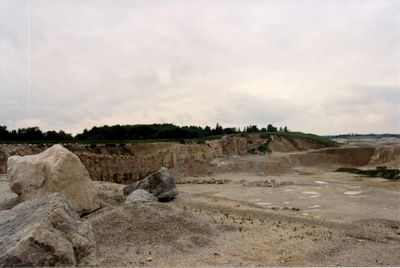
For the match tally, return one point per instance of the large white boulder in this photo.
(55, 170)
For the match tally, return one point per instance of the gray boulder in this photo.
(140, 196)
(161, 184)
(46, 232)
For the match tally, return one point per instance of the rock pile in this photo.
(202, 181)
(266, 183)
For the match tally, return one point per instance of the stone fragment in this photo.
(161, 184)
(140, 196)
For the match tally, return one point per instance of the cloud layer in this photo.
(316, 66)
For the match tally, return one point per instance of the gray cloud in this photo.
(287, 62)
(362, 109)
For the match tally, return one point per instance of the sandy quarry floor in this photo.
(315, 219)
(333, 196)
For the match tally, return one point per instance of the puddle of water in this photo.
(352, 192)
(314, 206)
(287, 202)
(321, 182)
(288, 190)
(315, 196)
(304, 214)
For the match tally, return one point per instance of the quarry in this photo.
(235, 201)
(199, 133)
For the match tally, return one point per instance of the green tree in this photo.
(271, 128)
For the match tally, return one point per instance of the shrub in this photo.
(263, 148)
(391, 174)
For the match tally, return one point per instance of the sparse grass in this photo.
(300, 135)
(312, 137)
(204, 139)
(382, 172)
(244, 135)
(124, 141)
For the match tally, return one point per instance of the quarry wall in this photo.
(127, 163)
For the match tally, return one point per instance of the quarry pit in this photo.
(240, 207)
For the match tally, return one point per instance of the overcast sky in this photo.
(317, 66)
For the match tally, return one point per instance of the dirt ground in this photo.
(312, 218)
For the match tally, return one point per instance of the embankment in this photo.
(328, 159)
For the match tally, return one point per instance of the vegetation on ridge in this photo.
(150, 133)
(383, 172)
(300, 135)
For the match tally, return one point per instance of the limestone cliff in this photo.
(127, 163)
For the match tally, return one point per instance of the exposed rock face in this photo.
(140, 160)
(140, 196)
(280, 144)
(46, 232)
(161, 184)
(3, 161)
(7, 150)
(128, 163)
(232, 145)
(386, 156)
(54, 170)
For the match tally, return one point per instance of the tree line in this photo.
(130, 132)
(33, 134)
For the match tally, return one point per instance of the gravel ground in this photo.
(206, 228)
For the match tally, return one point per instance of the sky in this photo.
(325, 67)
